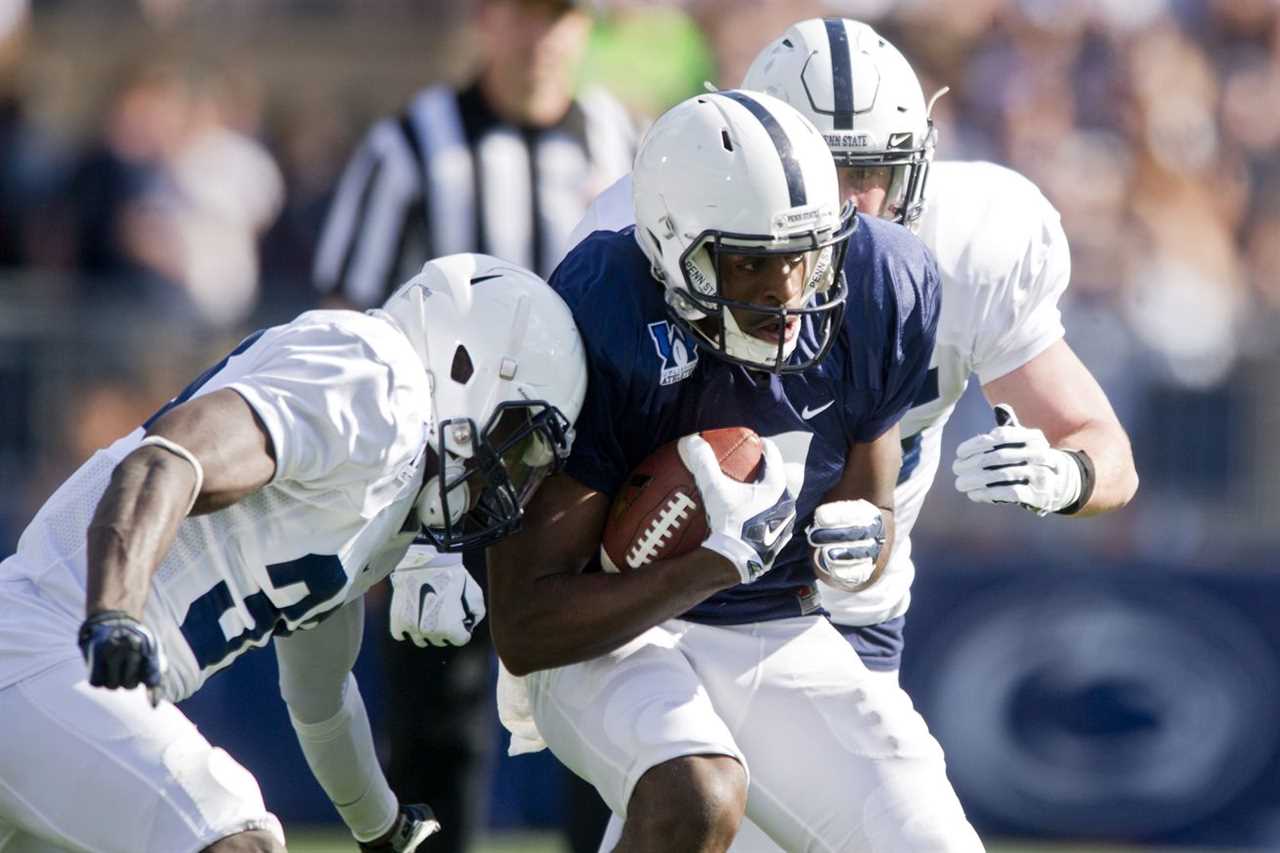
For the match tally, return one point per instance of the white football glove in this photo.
(1014, 464)
(847, 537)
(750, 523)
(434, 599)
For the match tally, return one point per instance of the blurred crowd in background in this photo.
(165, 169)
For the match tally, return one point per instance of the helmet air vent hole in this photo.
(724, 138)
(788, 43)
(462, 369)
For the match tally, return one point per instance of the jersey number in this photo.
(216, 631)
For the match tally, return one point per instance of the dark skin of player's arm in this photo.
(535, 573)
(543, 612)
(870, 473)
(138, 516)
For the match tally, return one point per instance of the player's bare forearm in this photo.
(870, 473)
(1108, 447)
(544, 613)
(133, 526)
(566, 618)
(138, 515)
(1056, 393)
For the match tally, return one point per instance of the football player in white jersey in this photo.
(262, 503)
(1004, 262)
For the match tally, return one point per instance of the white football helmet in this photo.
(743, 173)
(862, 95)
(508, 374)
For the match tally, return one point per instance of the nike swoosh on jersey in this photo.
(807, 412)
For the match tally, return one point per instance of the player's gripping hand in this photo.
(122, 653)
(411, 828)
(434, 599)
(750, 523)
(1014, 464)
(847, 537)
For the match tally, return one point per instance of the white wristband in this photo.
(180, 451)
(743, 556)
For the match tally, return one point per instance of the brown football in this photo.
(658, 513)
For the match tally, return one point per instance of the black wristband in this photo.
(1087, 481)
(105, 615)
(86, 627)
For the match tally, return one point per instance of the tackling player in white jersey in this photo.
(1004, 262)
(262, 503)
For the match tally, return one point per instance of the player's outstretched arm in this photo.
(544, 613)
(200, 456)
(1056, 395)
(155, 487)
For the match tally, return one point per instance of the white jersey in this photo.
(346, 403)
(1004, 262)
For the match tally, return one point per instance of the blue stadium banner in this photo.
(1119, 703)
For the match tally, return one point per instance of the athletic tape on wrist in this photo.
(181, 452)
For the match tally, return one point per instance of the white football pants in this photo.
(88, 769)
(838, 759)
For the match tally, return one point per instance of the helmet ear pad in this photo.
(433, 508)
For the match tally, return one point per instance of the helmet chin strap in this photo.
(539, 453)
(431, 503)
(739, 344)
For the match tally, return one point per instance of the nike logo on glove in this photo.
(423, 592)
(807, 412)
(772, 530)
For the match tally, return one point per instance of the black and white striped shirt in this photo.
(448, 175)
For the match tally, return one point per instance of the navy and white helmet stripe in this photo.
(790, 163)
(841, 73)
(862, 95)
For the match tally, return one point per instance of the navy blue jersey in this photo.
(650, 383)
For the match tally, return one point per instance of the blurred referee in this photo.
(505, 165)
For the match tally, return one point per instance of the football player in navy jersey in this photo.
(697, 689)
